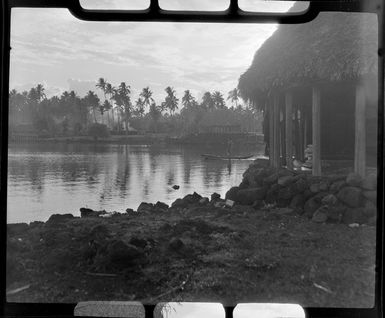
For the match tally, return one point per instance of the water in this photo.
(44, 179)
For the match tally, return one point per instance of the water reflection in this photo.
(61, 178)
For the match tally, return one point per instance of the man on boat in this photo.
(229, 147)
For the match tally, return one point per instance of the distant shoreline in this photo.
(141, 139)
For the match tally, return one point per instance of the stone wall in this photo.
(331, 198)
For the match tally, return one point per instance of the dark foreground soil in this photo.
(201, 253)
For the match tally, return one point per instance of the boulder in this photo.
(192, 198)
(313, 204)
(351, 196)
(204, 200)
(337, 186)
(55, 219)
(271, 196)
(232, 194)
(307, 194)
(273, 178)
(252, 177)
(215, 196)
(244, 184)
(297, 201)
(335, 213)
(371, 196)
(353, 180)
(249, 196)
(129, 210)
(354, 215)
(89, 213)
(320, 215)
(369, 182)
(323, 186)
(370, 208)
(145, 207)
(300, 185)
(161, 206)
(329, 200)
(229, 203)
(264, 163)
(286, 193)
(219, 204)
(179, 203)
(315, 188)
(286, 180)
(285, 172)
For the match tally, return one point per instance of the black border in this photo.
(154, 13)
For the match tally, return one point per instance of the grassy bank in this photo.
(192, 251)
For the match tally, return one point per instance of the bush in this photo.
(98, 131)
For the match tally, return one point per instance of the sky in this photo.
(52, 47)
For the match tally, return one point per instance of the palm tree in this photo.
(218, 100)
(110, 92)
(40, 92)
(139, 107)
(155, 114)
(188, 100)
(146, 94)
(123, 101)
(171, 101)
(92, 100)
(107, 107)
(207, 101)
(234, 96)
(101, 84)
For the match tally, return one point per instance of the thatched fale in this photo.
(336, 46)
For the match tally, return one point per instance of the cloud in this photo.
(52, 46)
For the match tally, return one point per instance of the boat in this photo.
(208, 156)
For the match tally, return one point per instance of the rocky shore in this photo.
(335, 198)
(280, 236)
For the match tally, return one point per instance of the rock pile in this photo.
(331, 198)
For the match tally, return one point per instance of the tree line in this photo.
(116, 109)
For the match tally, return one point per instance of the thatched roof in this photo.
(336, 46)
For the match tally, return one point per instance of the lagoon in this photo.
(48, 178)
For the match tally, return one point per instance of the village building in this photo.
(220, 121)
(317, 86)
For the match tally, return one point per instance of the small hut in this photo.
(317, 85)
(220, 121)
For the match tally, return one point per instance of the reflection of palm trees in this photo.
(170, 177)
(123, 172)
(146, 188)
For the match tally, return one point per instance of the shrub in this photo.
(98, 131)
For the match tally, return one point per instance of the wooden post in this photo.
(305, 129)
(289, 130)
(300, 134)
(316, 120)
(277, 159)
(296, 133)
(282, 124)
(271, 135)
(360, 132)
